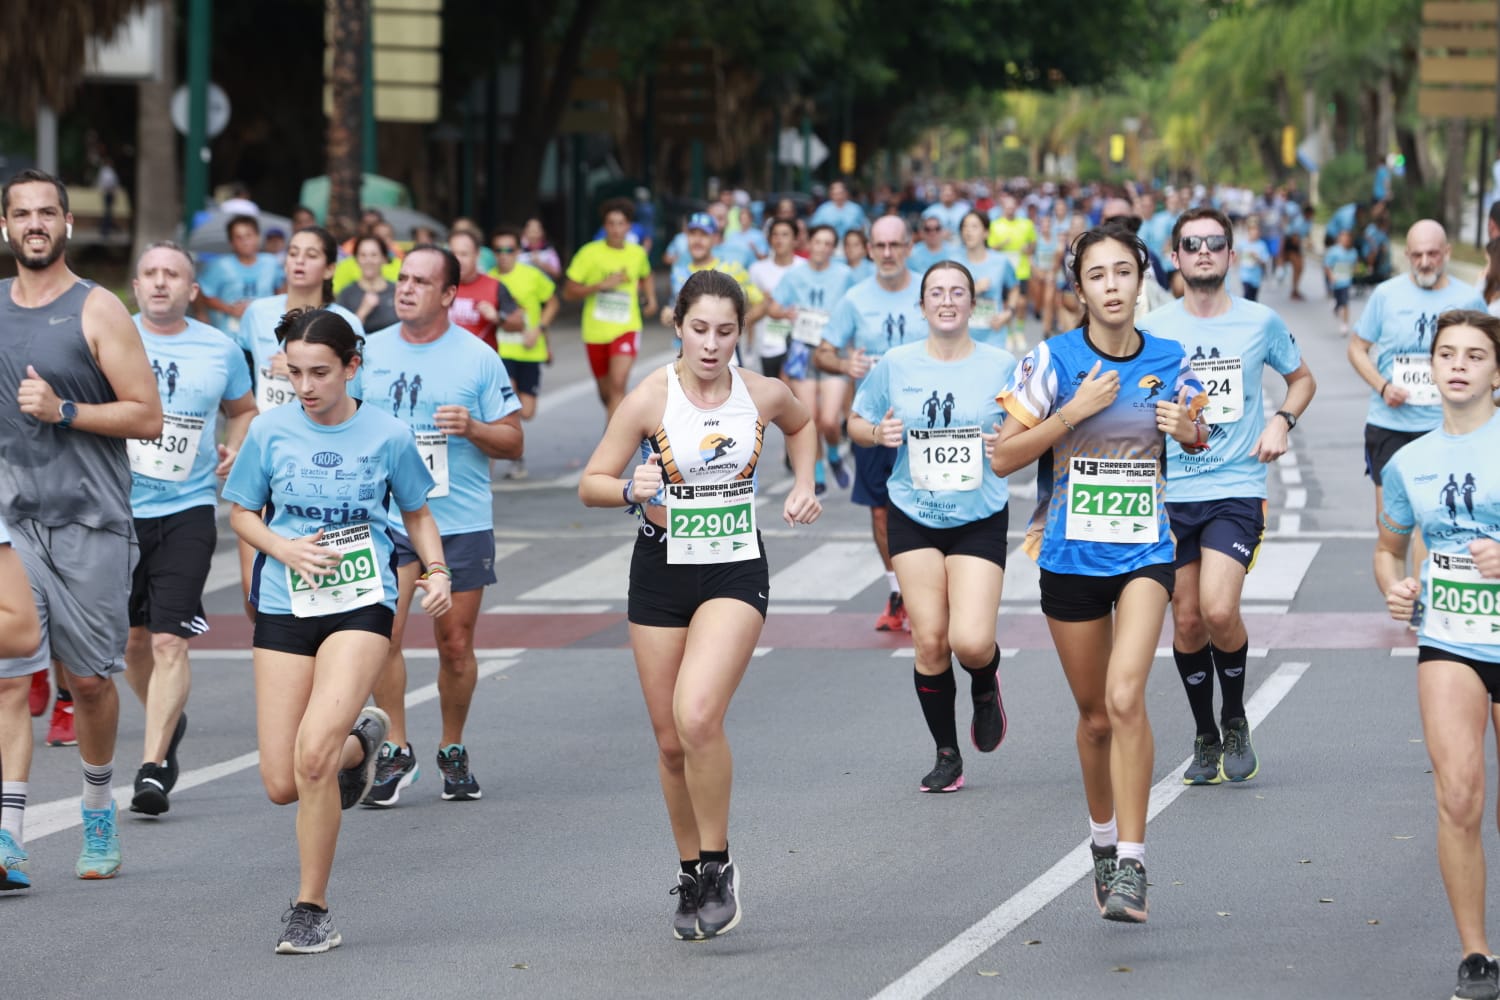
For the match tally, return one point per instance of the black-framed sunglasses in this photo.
(1192, 244)
(506, 249)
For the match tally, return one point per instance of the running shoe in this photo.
(685, 920)
(169, 770)
(150, 791)
(15, 864)
(354, 782)
(719, 909)
(395, 769)
(1127, 893)
(819, 489)
(1104, 870)
(458, 784)
(1240, 762)
(61, 732)
(1478, 978)
(1204, 770)
(894, 615)
(840, 472)
(988, 728)
(101, 844)
(41, 693)
(308, 932)
(947, 775)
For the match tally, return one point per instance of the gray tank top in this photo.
(48, 474)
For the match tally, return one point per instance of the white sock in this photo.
(890, 578)
(13, 807)
(1132, 849)
(1104, 834)
(96, 781)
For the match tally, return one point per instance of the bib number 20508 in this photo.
(1462, 606)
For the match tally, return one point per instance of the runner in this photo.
(1045, 268)
(702, 232)
(1015, 236)
(372, 298)
(839, 212)
(933, 247)
(1254, 259)
(236, 279)
(772, 333)
(1338, 269)
(699, 579)
(481, 304)
(1458, 658)
(947, 516)
(83, 386)
(1216, 499)
(1105, 452)
(994, 281)
(873, 317)
(324, 593)
(469, 415)
(857, 255)
(610, 278)
(524, 353)
(173, 498)
(1398, 324)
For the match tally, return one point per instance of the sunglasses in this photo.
(1192, 244)
(932, 229)
(506, 249)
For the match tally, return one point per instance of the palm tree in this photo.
(42, 55)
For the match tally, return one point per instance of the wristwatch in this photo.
(1291, 421)
(67, 413)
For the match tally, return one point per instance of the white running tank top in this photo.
(720, 445)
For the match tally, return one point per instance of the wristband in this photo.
(1383, 389)
(1064, 419)
(438, 568)
(625, 493)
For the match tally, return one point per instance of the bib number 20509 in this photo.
(711, 524)
(353, 583)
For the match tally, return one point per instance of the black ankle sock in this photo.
(722, 857)
(63, 694)
(1197, 673)
(690, 867)
(311, 906)
(936, 694)
(986, 679)
(1230, 665)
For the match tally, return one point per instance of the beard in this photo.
(1426, 279)
(1204, 282)
(33, 262)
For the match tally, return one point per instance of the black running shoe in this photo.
(685, 920)
(1478, 979)
(395, 769)
(988, 728)
(458, 783)
(947, 775)
(1126, 901)
(354, 782)
(840, 472)
(1104, 870)
(719, 909)
(170, 770)
(150, 791)
(308, 932)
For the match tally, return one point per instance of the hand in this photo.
(646, 482)
(998, 321)
(611, 281)
(890, 430)
(369, 303)
(530, 337)
(859, 363)
(1096, 392)
(1175, 418)
(1272, 443)
(666, 317)
(801, 507)
(453, 420)
(226, 461)
(1486, 555)
(488, 312)
(789, 313)
(307, 557)
(990, 441)
(237, 309)
(37, 399)
(278, 365)
(1393, 395)
(437, 594)
(981, 286)
(1402, 597)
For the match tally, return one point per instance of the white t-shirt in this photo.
(771, 334)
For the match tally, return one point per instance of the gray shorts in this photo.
(80, 581)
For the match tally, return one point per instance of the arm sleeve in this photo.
(1368, 326)
(1395, 505)
(497, 399)
(840, 329)
(249, 482)
(238, 381)
(579, 268)
(1031, 393)
(874, 396)
(1285, 355)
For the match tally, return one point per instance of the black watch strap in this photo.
(1291, 421)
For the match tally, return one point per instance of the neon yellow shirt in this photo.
(608, 315)
(346, 272)
(753, 295)
(1014, 238)
(531, 288)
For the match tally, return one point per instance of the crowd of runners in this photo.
(357, 398)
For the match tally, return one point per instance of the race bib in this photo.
(433, 447)
(1343, 273)
(985, 310)
(169, 457)
(773, 336)
(810, 326)
(614, 306)
(948, 458)
(1413, 372)
(1224, 381)
(354, 583)
(1112, 501)
(272, 390)
(711, 524)
(1462, 606)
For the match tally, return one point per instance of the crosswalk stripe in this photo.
(1279, 570)
(604, 578)
(834, 571)
(225, 569)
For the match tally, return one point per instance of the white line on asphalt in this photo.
(496, 653)
(546, 609)
(1291, 477)
(1006, 653)
(946, 962)
(1405, 652)
(1291, 524)
(54, 817)
(1296, 499)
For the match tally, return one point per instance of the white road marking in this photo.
(989, 931)
(1296, 499)
(835, 571)
(547, 609)
(604, 578)
(225, 570)
(1291, 524)
(1279, 569)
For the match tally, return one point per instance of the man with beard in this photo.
(1399, 323)
(83, 386)
(1216, 498)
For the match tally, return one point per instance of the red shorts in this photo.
(599, 354)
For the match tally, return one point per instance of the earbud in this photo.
(5, 233)
(68, 230)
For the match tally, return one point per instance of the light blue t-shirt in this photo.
(851, 216)
(861, 271)
(951, 216)
(228, 280)
(314, 477)
(678, 248)
(1443, 485)
(743, 248)
(807, 288)
(875, 320)
(928, 394)
(1340, 262)
(1254, 258)
(997, 270)
(1342, 220)
(922, 256)
(1401, 319)
(195, 371)
(258, 332)
(1255, 335)
(411, 381)
(1157, 233)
